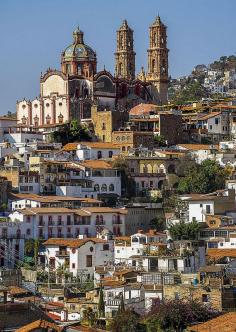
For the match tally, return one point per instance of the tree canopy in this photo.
(207, 177)
(73, 132)
(182, 230)
(176, 315)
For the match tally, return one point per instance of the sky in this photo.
(33, 34)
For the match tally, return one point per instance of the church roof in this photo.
(78, 49)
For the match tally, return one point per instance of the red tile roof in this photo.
(223, 323)
(142, 109)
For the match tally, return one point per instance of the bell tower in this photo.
(125, 55)
(158, 60)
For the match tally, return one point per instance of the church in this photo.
(71, 92)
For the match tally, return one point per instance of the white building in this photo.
(81, 254)
(133, 297)
(92, 150)
(195, 207)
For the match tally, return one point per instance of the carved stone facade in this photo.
(125, 55)
(158, 59)
(69, 93)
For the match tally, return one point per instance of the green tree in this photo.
(160, 140)
(158, 224)
(182, 230)
(176, 315)
(89, 316)
(126, 321)
(121, 305)
(73, 132)
(204, 178)
(101, 304)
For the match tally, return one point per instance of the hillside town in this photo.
(118, 207)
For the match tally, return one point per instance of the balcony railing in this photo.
(117, 222)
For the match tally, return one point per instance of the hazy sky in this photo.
(34, 32)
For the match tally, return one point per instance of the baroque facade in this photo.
(69, 93)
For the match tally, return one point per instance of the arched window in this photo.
(155, 39)
(18, 233)
(153, 65)
(104, 188)
(96, 187)
(97, 218)
(110, 154)
(120, 69)
(149, 168)
(111, 187)
(99, 154)
(123, 148)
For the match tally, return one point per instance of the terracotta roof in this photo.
(208, 116)
(15, 290)
(223, 323)
(195, 147)
(104, 209)
(123, 272)
(81, 328)
(70, 146)
(97, 164)
(46, 210)
(39, 324)
(99, 145)
(142, 109)
(220, 253)
(72, 243)
(46, 199)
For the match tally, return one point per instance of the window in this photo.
(99, 154)
(28, 231)
(104, 187)
(205, 298)
(210, 126)
(89, 260)
(217, 121)
(106, 246)
(110, 154)
(177, 297)
(68, 220)
(96, 187)
(103, 126)
(132, 170)
(111, 187)
(208, 209)
(73, 266)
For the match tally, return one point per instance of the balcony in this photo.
(116, 302)
(62, 253)
(117, 222)
(100, 223)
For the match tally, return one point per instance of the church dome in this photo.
(78, 49)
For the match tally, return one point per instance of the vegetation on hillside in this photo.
(207, 177)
